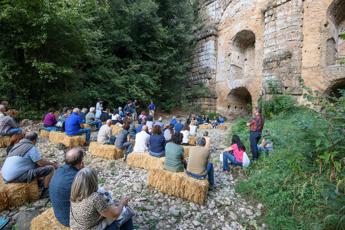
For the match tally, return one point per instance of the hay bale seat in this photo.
(84, 126)
(16, 194)
(192, 140)
(5, 141)
(116, 129)
(145, 161)
(109, 152)
(208, 126)
(44, 133)
(68, 141)
(179, 184)
(222, 127)
(46, 220)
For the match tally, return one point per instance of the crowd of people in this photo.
(73, 189)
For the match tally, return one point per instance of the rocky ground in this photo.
(224, 209)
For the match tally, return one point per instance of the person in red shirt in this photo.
(256, 124)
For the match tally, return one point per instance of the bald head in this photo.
(145, 128)
(74, 157)
(109, 122)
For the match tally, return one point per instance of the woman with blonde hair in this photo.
(91, 209)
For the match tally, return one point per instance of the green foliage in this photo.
(69, 52)
(277, 104)
(302, 182)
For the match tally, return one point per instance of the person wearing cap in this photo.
(199, 165)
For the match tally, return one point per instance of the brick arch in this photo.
(239, 102)
(334, 87)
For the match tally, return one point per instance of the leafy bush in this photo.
(277, 104)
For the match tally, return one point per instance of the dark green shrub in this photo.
(277, 104)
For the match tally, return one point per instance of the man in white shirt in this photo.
(142, 140)
(104, 134)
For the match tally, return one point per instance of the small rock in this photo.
(196, 223)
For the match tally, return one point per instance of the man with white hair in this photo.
(142, 140)
(104, 135)
(2, 111)
(73, 125)
(91, 120)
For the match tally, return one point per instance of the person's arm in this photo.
(43, 163)
(115, 211)
(12, 123)
(228, 149)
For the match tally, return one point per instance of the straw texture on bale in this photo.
(5, 141)
(44, 133)
(46, 220)
(105, 151)
(116, 129)
(145, 161)
(179, 184)
(16, 194)
(205, 126)
(73, 141)
(192, 140)
(223, 127)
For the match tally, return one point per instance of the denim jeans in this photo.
(210, 174)
(162, 154)
(87, 132)
(50, 128)
(227, 156)
(111, 141)
(254, 140)
(97, 123)
(14, 131)
(126, 226)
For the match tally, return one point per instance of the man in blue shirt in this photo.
(61, 183)
(152, 109)
(178, 127)
(73, 128)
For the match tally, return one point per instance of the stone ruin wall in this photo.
(245, 46)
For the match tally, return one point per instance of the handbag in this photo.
(245, 160)
(126, 214)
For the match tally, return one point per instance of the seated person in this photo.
(140, 126)
(73, 126)
(207, 139)
(91, 120)
(122, 141)
(49, 121)
(8, 126)
(234, 153)
(168, 132)
(121, 113)
(149, 122)
(104, 135)
(157, 142)
(141, 117)
(193, 128)
(116, 119)
(178, 127)
(90, 208)
(185, 133)
(62, 118)
(219, 121)
(174, 160)
(105, 115)
(15, 138)
(173, 121)
(61, 183)
(24, 164)
(2, 111)
(266, 143)
(83, 114)
(198, 165)
(160, 122)
(142, 140)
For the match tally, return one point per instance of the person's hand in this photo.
(56, 165)
(124, 200)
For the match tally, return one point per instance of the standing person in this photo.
(256, 124)
(99, 105)
(193, 128)
(61, 183)
(8, 126)
(134, 110)
(128, 107)
(49, 121)
(152, 109)
(234, 153)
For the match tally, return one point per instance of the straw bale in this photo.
(145, 161)
(44, 133)
(208, 126)
(56, 137)
(116, 129)
(179, 185)
(5, 141)
(192, 140)
(47, 220)
(18, 194)
(73, 141)
(105, 151)
(223, 127)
